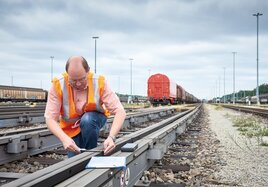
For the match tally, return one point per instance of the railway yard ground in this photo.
(241, 159)
(223, 156)
(222, 147)
(226, 157)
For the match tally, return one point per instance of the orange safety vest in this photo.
(69, 117)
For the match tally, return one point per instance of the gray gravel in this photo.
(246, 162)
(25, 166)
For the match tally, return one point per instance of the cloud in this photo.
(190, 41)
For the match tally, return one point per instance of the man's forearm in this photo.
(54, 127)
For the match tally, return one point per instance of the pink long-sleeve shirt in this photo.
(54, 103)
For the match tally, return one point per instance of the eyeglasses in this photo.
(71, 81)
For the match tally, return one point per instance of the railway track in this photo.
(18, 115)
(253, 110)
(152, 142)
(13, 115)
(27, 142)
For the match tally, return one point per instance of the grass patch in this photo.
(245, 122)
(264, 144)
(265, 132)
(252, 132)
(135, 105)
(243, 129)
(250, 127)
(218, 107)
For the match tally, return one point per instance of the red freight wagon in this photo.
(181, 94)
(161, 89)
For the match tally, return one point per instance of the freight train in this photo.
(263, 99)
(161, 90)
(20, 94)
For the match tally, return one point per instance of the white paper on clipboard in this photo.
(102, 162)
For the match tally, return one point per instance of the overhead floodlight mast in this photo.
(224, 100)
(234, 53)
(95, 38)
(52, 57)
(131, 59)
(257, 88)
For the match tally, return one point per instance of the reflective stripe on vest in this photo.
(65, 102)
(96, 93)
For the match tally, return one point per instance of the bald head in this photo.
(75, 63)
(77, 69)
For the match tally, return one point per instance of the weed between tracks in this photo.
(218, 107)
(250, 127)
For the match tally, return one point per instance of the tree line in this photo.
(263, 89)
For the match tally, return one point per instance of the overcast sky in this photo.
(191, 41)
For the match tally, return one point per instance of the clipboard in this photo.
(106, 162)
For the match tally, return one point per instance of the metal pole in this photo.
(219, 89)
(118, 84)
(234, 53)
(52, 57)
(216, 88)
(95, 38)
(224, 85)
(257, 89)
(131, 76)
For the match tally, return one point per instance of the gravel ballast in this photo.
(222, 158)
(246, 161)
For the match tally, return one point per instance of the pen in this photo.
(90, 150)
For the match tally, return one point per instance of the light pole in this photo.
(118, 84)
(257, 89)
(52, 57)
(131, 59)
(234, 53)
(11, 80)
(216, 88)
(223, 84)
(95, 38)
(219, 89)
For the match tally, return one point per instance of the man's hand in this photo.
(70, 145)
(108, 145)
(67, 142)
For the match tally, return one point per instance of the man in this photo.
(77, 99)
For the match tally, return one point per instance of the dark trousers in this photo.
(90, 124)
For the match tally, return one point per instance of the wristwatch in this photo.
(113, 137)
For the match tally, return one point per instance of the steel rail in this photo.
(14, 115)
(154, 139)
(20, 131)
(22, 104)
(21, 109)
